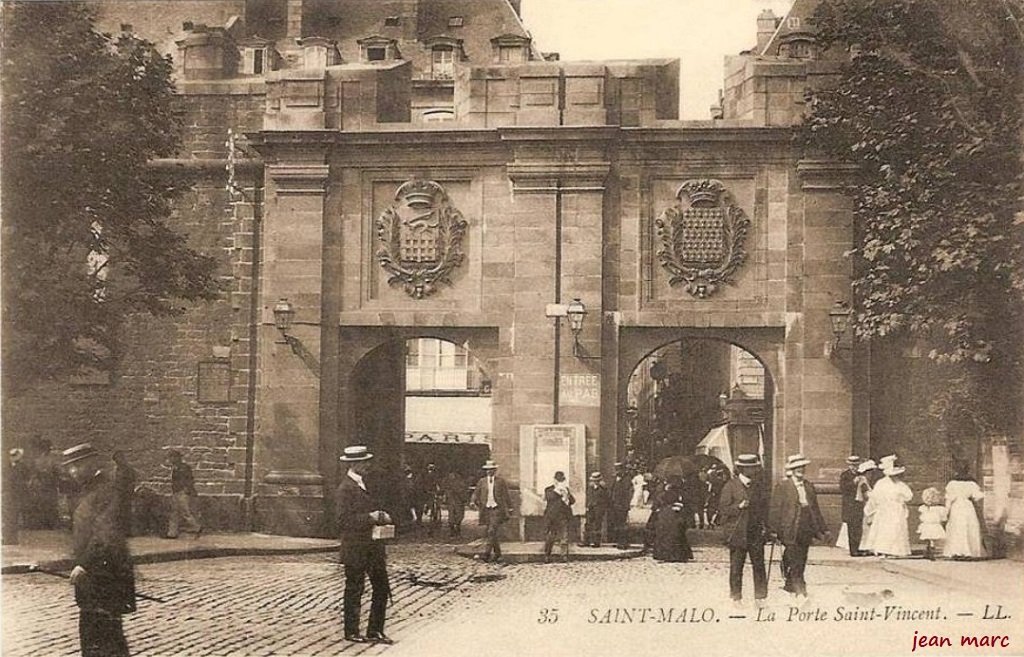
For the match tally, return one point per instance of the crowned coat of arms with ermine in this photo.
(702, 237)
(419, 238)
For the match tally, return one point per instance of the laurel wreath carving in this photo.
(701, 282)
(420, 280)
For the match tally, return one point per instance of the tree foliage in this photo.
(86, 241)
(930, 105)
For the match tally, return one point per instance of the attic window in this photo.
(391, 21)
(455, 21)
(794, 22)
(376, 54)
(442, 63)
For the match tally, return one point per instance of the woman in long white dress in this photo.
(887, 508)
(963, 531)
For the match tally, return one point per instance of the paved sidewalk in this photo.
(51, 549)
(998, 578)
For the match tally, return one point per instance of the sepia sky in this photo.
(699, 32)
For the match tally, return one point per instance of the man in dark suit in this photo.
(743, 506)
(103, 575)
(597, 508)
(455, 493)
(796, 519)
(492, 499)
(557, 515)
(359, 511)
(618, 512)
(852, 509)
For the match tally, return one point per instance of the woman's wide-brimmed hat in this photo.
(355, 453)
(794, 461)
(489, 465)
(867, 465)
(748, 461)
(892, 467)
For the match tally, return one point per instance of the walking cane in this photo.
(771, 560)
(39, 569)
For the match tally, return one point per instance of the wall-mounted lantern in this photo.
(839, 318)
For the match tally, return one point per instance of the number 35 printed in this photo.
(548, 616)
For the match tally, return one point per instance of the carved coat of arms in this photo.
(702, 237)
(419, 238)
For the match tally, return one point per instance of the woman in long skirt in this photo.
(890, 534)
(963, 530)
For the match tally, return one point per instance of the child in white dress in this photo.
(933, 515)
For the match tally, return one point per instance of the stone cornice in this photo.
(826, 174)
(299, 178)
(545, 176)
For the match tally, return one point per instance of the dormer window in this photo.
(456, 21)
(391, 21)
(378, 49)
(442, 63)
(794, 23)
(318, 52)
(511, 49)
(258, 57)
(444, 52)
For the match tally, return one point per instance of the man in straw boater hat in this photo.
(852, 507)
(358, 511)
(103, 577)
(495, 504)
(796, 518)
(743, 505)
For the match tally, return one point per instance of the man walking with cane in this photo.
(103, 576)
(797, 519)
(744, 508)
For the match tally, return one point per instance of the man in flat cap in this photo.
(491, 497)
(103, 576)
(358, 511)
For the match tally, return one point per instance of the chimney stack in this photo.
(766, 24)
(296, 12)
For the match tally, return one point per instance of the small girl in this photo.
(933, 514)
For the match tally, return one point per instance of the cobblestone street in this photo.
(448, 605)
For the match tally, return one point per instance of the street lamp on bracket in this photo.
(839, 319)
(284, 315)
(575, 311)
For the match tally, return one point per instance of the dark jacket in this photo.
(100, 547)
(670, 543)
(455, 491)
(621, 495)
(597, 499)
(785, 513)
(852, 510)
(743, 527)
(557, 511)
(353, 506)
(501, 496)
(181, 479)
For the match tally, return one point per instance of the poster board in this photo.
(545, 449)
